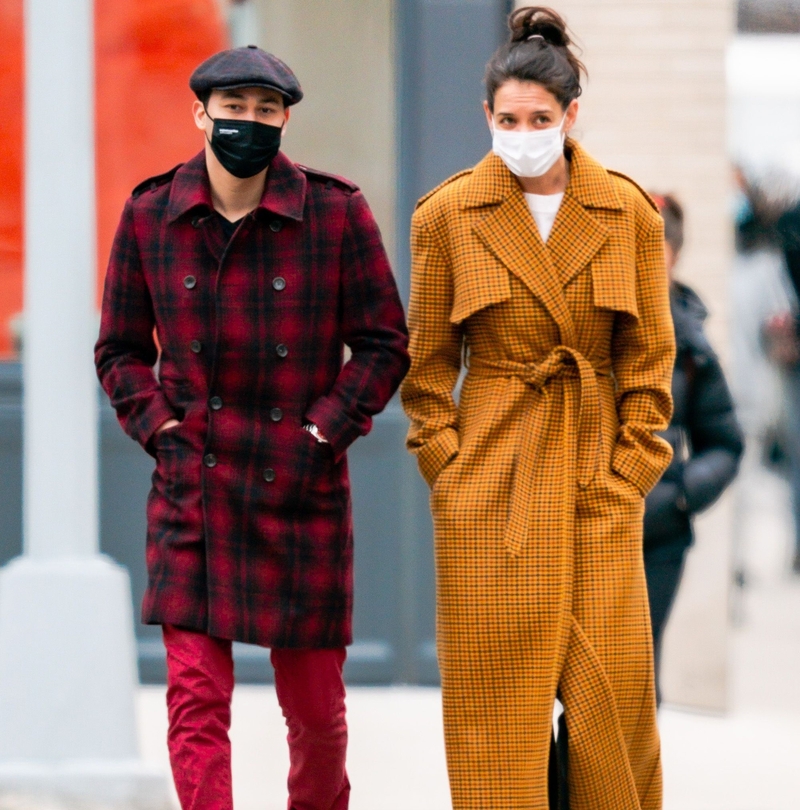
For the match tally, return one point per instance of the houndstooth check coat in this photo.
(249, 533)
(538, 474)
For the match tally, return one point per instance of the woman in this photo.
(704, 434)
(545, 272)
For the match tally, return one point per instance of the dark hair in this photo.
(538, 51)
(672, 213)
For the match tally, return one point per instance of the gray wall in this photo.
(442, 50)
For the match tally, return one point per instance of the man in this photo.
(254, 274)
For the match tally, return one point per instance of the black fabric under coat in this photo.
(704, 434)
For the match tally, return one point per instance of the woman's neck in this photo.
(233, 197)
(553, 181)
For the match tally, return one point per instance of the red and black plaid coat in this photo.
(249, 527)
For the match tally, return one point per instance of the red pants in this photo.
(311, 694)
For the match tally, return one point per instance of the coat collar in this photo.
(507, 228)
(284, 192)
(589, 184)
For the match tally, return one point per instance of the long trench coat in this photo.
(538, 475)
(249, 534)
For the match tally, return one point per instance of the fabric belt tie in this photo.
(584, 422)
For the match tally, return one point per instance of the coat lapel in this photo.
(284, 194)
(509, 233)
(575, 239)
(190, 189)
(577, 234)
(285, 190)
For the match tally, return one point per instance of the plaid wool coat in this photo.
(249, 528)
(538, 474)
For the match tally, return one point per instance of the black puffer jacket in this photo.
(704, 434)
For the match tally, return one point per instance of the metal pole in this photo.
(67, 661)
(60, 390)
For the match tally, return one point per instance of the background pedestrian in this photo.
(706, 439)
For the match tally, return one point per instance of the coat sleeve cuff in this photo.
(336, 428)
(434, 455)
(642, 461)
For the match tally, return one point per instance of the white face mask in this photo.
(531, 153)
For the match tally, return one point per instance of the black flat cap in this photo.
(246, 67)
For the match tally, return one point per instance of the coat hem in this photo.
(344, 640)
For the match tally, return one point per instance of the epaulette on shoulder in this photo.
(634, 183)
(447, 182)
(152, 183)
(330, 180)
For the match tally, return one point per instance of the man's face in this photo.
(243, 103)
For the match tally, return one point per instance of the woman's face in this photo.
(526, 106)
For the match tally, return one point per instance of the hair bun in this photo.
(539, 51)
(540, 21)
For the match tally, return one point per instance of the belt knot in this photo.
(561, 362)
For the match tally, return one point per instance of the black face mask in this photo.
(244, 148)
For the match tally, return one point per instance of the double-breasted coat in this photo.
(249, 533)
(538, 474)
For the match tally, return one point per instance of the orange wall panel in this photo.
(145, 52)
(12, 143)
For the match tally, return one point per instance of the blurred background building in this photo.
(678, 90)
(393, 96)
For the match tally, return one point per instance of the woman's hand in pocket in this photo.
(631, 490)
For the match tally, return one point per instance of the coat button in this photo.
(190, 282)
(269, 475)
(279, 283)
(196, 346)
(215, 403)
(276, 414)
(275, 225)
(281, 350)
(210, 460)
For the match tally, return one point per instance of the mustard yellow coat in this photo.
(538, 474)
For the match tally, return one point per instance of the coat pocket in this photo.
(172, 462)
(628, 488)
(179, 394)
(319, 478)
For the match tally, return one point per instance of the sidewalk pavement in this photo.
(748, 759)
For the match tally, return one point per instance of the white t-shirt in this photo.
(544, 208)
